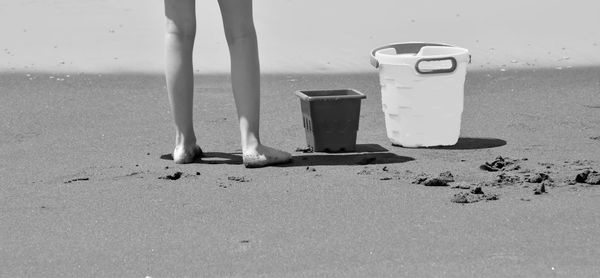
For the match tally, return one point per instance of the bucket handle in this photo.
(374, 61)
(399, 47)
(435, 71)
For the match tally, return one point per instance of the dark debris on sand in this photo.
(446, 176)
(589, 177)
(477, 190)
(489, 184)
(501, 181)
(505, 179)
(420, 178)
(365, 172)
(238, 179)
(435, 182)
(441, 180)
(392, 174)
(538, 178)
(511, 173)
(470, 197)
(77, 179)
(461, 185)
(593, 179)
(582, 177)
(173, 177)
(541, 189)
(501, 164)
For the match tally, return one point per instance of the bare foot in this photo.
(183, 155)
(265, 156)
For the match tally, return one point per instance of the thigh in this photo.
(181, 15)
(237, 15)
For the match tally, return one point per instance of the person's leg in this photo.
(179, 44)
(245, 81)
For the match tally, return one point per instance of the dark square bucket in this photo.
(331, 118)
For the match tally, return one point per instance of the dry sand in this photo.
(82, 193)
(306, 36)
(87, 189)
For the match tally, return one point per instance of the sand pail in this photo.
(331, 118)
(422, 92)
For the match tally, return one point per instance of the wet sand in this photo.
(88, 188)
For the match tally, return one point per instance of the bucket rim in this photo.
(462, 56)
(355, 94)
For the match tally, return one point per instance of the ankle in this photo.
(185, 141)
(250, 144)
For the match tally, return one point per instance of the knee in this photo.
(185, 30)
(240, 33)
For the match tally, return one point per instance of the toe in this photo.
(269, 157)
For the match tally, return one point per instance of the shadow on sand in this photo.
(363, 155)
(346, 159)
(213, 158)
(468, 143)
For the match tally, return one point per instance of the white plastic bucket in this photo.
(422, 92)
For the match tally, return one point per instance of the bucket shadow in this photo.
(360, 148)
(363, 154)
(370, 148)
(469, 143)
(346, 159)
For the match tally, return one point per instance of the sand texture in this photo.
(88, 189)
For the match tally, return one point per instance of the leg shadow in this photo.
(213, 158)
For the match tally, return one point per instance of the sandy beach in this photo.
(88, 188)
(297, 36)
(86, 193)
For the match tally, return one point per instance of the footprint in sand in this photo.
(237, 179)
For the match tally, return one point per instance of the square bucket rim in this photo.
(355, 95)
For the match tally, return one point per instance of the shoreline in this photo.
(49, 37)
